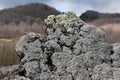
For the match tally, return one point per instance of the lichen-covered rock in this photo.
(105, 72)
(12, 73)
(67, 22)
(116, 55)
(29, 48)
(20, 78)
(71, 50)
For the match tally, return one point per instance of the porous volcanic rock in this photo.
(70, 50)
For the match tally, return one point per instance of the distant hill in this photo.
(26, 13)
(98, 18)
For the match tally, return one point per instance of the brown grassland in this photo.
(7, 52)
(9, 35)
(112, 32)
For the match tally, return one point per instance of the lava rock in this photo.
(70, 50)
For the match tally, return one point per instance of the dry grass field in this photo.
(7, 52)
(12, 30)
(9, 35)
(112, 32)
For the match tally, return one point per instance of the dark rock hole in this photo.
(111, 52)
(111, 61)
(50, 64)
(22, 73)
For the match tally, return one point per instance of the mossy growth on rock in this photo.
(67, 22)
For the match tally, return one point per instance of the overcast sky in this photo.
(78, 6)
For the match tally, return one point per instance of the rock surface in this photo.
(71, 50)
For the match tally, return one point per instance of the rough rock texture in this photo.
(71, 50)
(105, 72)
(12, 73)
